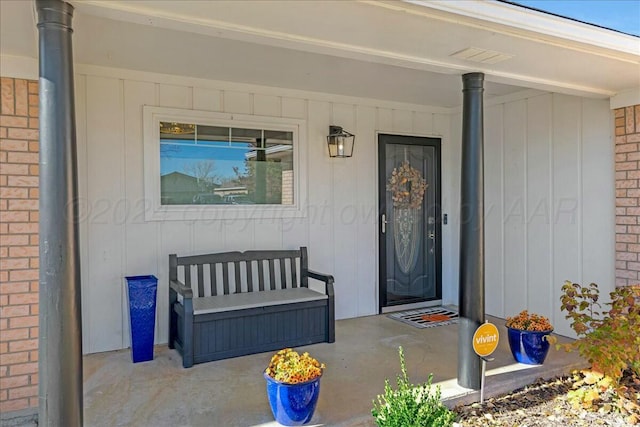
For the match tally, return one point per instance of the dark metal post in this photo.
(60, 339)
(471, 289)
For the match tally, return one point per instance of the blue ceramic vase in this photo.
(292, 404)
(530, 347)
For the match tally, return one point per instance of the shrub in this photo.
(410, 405)
(609, 340)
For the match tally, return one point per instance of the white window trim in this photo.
(155, 211)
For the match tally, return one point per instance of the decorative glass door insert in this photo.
(410, 219)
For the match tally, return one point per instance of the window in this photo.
(201, 165)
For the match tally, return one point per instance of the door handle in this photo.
(384, 223)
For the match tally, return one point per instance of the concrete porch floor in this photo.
(232, 392)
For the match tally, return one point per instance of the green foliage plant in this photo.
(609, 340)
(411, 405)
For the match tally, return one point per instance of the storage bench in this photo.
(236, 303)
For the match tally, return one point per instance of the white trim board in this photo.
(626, 98)
(19, 67)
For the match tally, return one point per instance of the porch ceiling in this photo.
(398, 51)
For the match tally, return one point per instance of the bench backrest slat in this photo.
(260, 275)
(200, 279)
(238, 277)
(283, 273)
(284, 269)
(249, 276)
(272, 274)
(225, 278)
(294, 280)
(213, 279)
(187, 275)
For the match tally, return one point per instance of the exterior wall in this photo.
(340, 230)
(548, 201)
(627, 131)
(18, 244)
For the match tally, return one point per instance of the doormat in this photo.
(426, 317)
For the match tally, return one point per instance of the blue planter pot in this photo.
(292, 404)
(530, 347)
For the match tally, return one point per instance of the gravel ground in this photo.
(545, 404)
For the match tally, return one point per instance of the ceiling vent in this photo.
(484, 56)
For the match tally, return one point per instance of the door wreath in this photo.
(407, 186)
(407, 189)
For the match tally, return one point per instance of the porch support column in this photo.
(471, 288)
(60, 338)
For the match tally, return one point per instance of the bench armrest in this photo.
(326, 278)
(183, 290)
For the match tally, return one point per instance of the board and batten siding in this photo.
(549, 202)
(340, 228)
(549, 195)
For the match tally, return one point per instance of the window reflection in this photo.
(214, 165)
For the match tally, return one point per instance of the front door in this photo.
(410, 226)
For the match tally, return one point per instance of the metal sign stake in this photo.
(485, 341)
(484, 370)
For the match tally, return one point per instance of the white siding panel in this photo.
(558, 158)
(295, 233)
(493, 209)
(451, 159)
(267, 105)
(175, 96)
(441, 124)
(207, 99)
(208, 236)
(174, 238)
(105, 155)
(598, 197)
(539, 250)
(321, 185)
(294, 108)
(384, 120)
(237, 102)
(514, 208)
(141, 238)
(567, 239)
(238, 234)
(402, 122)
(267, 234)
(422, 123)
(345, 213)
(366, 204)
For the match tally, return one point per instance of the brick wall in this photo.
(627, 134)
(287, 187)
(18, 244)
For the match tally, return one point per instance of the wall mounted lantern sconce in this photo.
(340, 142)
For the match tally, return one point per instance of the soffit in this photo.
(398, 51)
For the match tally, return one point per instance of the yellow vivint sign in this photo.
(485, 339)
